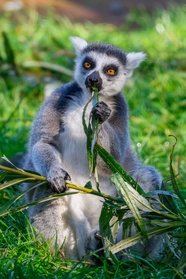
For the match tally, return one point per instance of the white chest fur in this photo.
(73, 142)
(74, 160)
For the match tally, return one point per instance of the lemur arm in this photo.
(44, 154)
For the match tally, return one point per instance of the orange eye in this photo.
(111, 72)
(87, 65)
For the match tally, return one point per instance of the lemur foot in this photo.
(95, 242)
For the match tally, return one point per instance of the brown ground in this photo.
(96, 11)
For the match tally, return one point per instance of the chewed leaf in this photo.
(94, 89)
(91, 133)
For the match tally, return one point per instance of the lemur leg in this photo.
(148, 178)
(63, 222)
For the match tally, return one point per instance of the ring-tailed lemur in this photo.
(57, 145)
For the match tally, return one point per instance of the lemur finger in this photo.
(57, 181)
(101, 111)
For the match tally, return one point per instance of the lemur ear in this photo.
(78, 43)
(134, 59)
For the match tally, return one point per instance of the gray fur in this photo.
(57, 147)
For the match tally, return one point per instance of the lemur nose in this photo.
(95, 80)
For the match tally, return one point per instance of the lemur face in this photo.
(102, 71)
(103, 66)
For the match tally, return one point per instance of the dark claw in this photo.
(57, 180)
(97, 236)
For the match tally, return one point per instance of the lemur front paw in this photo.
(95, 241)
(57, 179)
(101, 111)
(95, 246)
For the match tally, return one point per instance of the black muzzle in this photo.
(94, 80)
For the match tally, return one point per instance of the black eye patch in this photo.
(88, 63)
(110, 70)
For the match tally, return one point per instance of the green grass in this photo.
(156, 97)
(22, 257)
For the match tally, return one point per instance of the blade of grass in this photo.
(48, 66)
(9, 52)
(173, 180)
(14, 182)
(130, 241)
(4, 209)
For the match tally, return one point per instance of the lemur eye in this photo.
(111, 72)
(87, 65)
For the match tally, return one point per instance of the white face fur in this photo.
(112, 70)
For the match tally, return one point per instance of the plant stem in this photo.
(91, 191)
(69, 184)
(24, 173)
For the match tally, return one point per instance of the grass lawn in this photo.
(156, 98)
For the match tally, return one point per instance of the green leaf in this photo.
(2, 175)
(117, 168)
(94, 122)
(89, 133)
(126, 226)
(108, 224)
(88, 185)
(132, 202)
(13, 182)
(5, 209)
(130, 241)
(179, 234)
(167, 199)
(182, 260)
(104, 221)
(175, 224)
(173, 180)
(83, 118)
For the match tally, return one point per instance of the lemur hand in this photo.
(101, 111)
(57, 179)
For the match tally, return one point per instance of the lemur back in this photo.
(57, 146)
